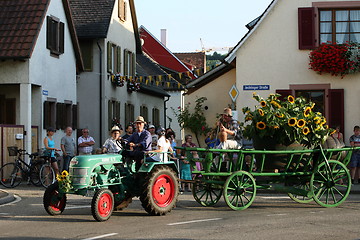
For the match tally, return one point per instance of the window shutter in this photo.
(109, 57)
(74, 117)
(133, 63)
(61, 37)
(46, 114)
(126, 62)
(110, 114)
(284, 93)
(117, 106)
(118, 59)
(336, 108)
(60, 118)
(306, 28)
(49, 33)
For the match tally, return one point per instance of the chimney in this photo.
(163, 36)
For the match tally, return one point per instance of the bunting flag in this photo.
(167, 80)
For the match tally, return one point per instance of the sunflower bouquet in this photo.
(64, 181)
(287, 121)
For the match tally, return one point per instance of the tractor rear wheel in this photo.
(102, 204)
(53, 200)
(160, 191)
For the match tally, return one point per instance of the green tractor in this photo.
(113, 182)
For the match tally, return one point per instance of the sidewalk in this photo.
(6, 196)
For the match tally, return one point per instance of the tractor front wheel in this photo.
(102, 204)
(53, 200)
(160, 191)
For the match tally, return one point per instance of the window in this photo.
(144, 112)
(113, 112)
(129, 63)
(129, 113)
(122, 10)
(87, 54)
(156, 117)
(113, 58)
(55, 36)
(60, 115)
(50, 114)
(339, 25)
(315, 96)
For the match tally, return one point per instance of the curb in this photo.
(6, 197)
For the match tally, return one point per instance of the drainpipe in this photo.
(100, 87)
(165, 111)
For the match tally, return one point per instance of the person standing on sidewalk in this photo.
(68, 146)
(49, 144)
(85, 143)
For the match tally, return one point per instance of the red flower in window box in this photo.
(336, 59)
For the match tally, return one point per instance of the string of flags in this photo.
(175, 80)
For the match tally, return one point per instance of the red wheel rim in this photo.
(163, 190)
(57, 203)
(105, 205)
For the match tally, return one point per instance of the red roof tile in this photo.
(20, 22)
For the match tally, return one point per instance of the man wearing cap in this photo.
(154, 137)
(113, 144)
(139, 142)
(230, 134)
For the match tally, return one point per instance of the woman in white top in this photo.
(164, 146)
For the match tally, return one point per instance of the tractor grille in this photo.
(79, 171)
(79, 180)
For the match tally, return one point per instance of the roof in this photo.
(160, 53)
(20, 23)
(92, 17)
(146, 66)
(196, 59)
(209, 76)
(252, 26)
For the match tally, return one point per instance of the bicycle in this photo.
(47, 174)
(11, 174)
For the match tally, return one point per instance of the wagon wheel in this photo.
(160, 192)
(54, 201)
(239, 190)
(102, 204)
(330, 183)
(299, 198)
(205, 192)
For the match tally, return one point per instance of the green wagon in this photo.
(319, 175)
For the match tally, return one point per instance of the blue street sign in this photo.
(45, 92)
(255, 87)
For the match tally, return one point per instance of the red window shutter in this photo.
(284, 93)
(336, 108)
(306, 22)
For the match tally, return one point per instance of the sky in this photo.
(218, 23)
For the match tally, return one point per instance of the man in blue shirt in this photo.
(139, 143)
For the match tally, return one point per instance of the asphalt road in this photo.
(271, 216)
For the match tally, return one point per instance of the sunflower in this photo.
(307, 111)
(261, 125)
(291, 99)
(64, 173)
(279, 115)
(276, 127)
(301, 123)
(333, 132)
(261, 112)
(313, 105)
(263, 104)
(306, 130)
(317, 120)
(292, 122)
(248, 118)
(275, 104)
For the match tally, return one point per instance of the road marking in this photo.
(194, 221)
(102, 236)
(279, 214)
(17, 199)
(74, 207)
(279, 197)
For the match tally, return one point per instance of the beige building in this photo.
(274, 57)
